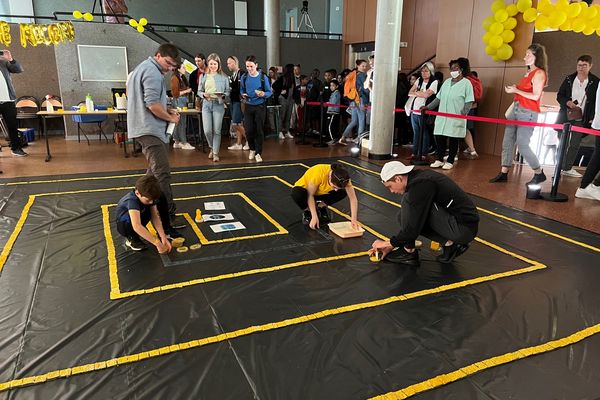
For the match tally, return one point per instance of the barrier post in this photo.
(320, 143)
(419, 160)
(553, 195)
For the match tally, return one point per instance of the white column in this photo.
(272, 28)
(387, 52)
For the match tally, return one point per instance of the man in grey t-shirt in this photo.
(8, 109)
(148, 116)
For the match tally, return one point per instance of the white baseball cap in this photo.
(394, 168)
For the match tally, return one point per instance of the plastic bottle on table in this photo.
(89, 104)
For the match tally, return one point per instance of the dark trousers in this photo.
(155, 151)
(126, 229)
(441, 147)
(9, 114)
(254, 120)
(593, 166)
(333, 125)
(300, 197)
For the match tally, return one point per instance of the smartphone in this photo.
(1, 52)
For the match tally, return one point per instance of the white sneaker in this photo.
(216, 157)
(289, 136)
(187, 146)
(572, 173)
(455, 159)
(246, 147)
(281, 136)
(258, 158)
(447, 165)
(251, 155)
(591, 192)
(210, 154)
(177, 145)
(235, 147)
(467, 150)
(436, 164)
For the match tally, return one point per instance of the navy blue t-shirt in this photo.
(131, 202)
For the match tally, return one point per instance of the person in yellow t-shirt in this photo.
(321, 186)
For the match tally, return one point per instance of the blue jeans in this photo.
(358, 119)
(212, 121)
(416, 121)
(519, 136)
(179, 135)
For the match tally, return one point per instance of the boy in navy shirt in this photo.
(144, 204)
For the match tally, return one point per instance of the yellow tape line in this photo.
(492, 362)
(515, 221)
(253, 329)
(112, 255)
(15, 234)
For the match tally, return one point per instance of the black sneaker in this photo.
(324, 216)
(501, 177)
(306, 217)
(19, 153)
(173, 234)
(449, 253)
(401, 256)
(135, 244)
(537, 178)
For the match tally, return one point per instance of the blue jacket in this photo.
(334, 99)
(221, 82)
(249, 85)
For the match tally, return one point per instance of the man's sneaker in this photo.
(591, 192)
(258, 158)
(289, 136)
(537, 178)
(281, 136)
(306, 217)
(449, 253)
(401, 256)
(246, 147)
(251, 155)
(18, 153)
(235, 147)
(176, 145)
(173, 234)
(501, 177)
(572, 173)
(187, 146)
(447, 166)
(210, 154)
(135, 244)
(324, 216)
(436, 164)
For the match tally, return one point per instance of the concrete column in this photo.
(272, 28)
(387, 52)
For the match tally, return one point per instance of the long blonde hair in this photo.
(215, 57)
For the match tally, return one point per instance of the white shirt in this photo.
(4, 95)
(420, 101)
(596, 121)
(578, 92)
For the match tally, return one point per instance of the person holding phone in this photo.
(8, 108)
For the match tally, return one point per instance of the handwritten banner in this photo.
(38, 34)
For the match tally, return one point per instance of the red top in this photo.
(526, 86)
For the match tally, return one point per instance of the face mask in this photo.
(454, 74)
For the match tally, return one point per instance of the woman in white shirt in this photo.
(422, 93)
(587, 189)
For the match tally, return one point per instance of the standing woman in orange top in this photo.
(526, 107)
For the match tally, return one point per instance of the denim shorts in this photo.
(236, 112)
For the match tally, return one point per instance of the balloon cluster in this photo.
(576, 17)
(87, 16)
(52, 34)
(139, 25)
(5, 37)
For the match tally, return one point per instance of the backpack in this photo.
(477, 87)
(350, 91)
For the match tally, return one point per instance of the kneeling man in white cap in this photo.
(432, 206)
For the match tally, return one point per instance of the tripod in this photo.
(305, 19)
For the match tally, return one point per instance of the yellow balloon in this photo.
(578, 25)
(498, 5)
(495, 58)
(140, 29)
(496, 28)
(595, 22)
(530, 15)
(133, 23)
(512, 10)
(507, 36)
(490, 51)
(510, 23)
(88, 17)
(487, 23)
(566, 26)
(77, 14)
(574, 10)
(501, 15)
(495, 42)
(523, 5)
(588, 30)
(143, 21)
(557, 18)
(486, 37)
(542, 23)
(562, 5)
(505, 52)
(591, 12)
(598, 31)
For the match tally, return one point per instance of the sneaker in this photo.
(246, 147)
(289, 136)
(473, 155)
(537, 178)
(501, 177)
(332, 142)
(467, 151)
(447, 166)
(258, 158)
(324, 215)
(306, 217)
(342, 141)
(281, 136)
(187, 146)
(18, 153)
(216, 158)
(251, 155)
(176, 145)
(401, 256)
(455, 159)
(436, 164)
(135, 244)
(572, 173)
(449, 253)
(235, 147)
(591, 192)
(210, 154)
(173, 234)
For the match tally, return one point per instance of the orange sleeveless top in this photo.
(525, 84)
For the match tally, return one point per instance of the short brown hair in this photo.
(585, 58)
(168, 50)
(148, 187)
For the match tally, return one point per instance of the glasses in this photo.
(583, 65)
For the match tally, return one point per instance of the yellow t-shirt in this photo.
(318, 176)
(210, 87)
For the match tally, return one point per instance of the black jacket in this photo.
(564, 95)
(194, 82)
(426, 189)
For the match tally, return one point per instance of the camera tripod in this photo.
(305, 19)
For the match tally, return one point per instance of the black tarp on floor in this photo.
(64, 304)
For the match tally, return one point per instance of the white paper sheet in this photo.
(229, 226)
(214, 205)
(217, 217)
